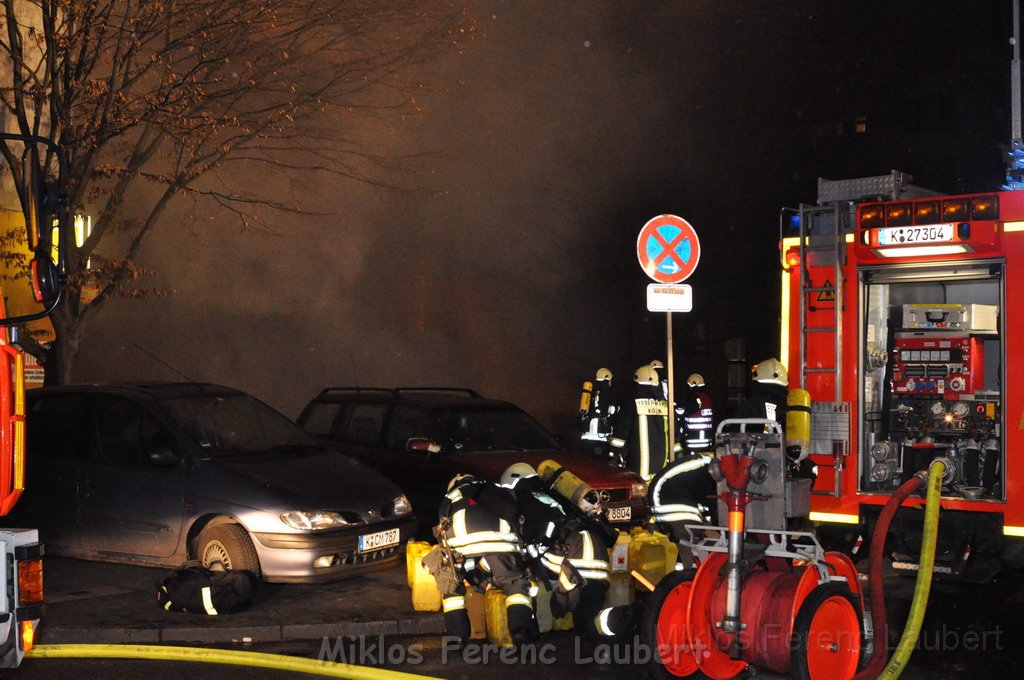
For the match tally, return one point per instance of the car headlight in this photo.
(402, 506)
(313, 520)
(638, 490)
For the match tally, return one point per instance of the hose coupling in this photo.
(948, 472)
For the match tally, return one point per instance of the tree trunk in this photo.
(59, 358)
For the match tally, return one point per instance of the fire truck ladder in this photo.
(823, 238)
(829, 247)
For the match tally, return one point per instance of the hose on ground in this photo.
(924, 575)
(220, 656)
(876, 588)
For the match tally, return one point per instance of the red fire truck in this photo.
(899, 317)
(46, 220)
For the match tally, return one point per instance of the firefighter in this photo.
(698, 417)
(683, 493)
(570, 552)
(659, 370)
(577, 567)
(538, 513)
(769, 396)
(596, 412)
(476, 527)
(641, 429)
(768, 393)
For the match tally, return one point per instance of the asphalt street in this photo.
(970, 631)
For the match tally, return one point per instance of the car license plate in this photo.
(620, 514)
(381, 539)
(932, 233)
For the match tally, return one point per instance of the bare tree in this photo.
(154, 100)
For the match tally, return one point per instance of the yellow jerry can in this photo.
(497, 619)
(425, 595)
(652, 555)
(414, 552)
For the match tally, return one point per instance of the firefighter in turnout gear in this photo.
(769, 398)
(768, 393)
(642, 426)
(662, 376)
(683, 493)
(698, 417)
(577, 569)
(538, 512)
(596, 411)
(569, 552)
(476, 527)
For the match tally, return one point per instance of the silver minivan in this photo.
(157, 473)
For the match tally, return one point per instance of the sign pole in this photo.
(671, 388)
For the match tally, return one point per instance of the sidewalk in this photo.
(93, 602)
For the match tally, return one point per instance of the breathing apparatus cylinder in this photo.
(568, 485)
(585, 396)
(798, 423)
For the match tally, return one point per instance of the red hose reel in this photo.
(766, 597)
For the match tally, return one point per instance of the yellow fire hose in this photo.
(221, 656)
(923, 585)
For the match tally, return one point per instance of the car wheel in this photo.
(226, 547)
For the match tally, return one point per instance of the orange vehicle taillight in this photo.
(28, 635)
(30, 581)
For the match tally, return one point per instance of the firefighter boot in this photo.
(521, 624)
(456, 618)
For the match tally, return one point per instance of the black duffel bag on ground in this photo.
(195, 589)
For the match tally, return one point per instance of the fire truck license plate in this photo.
(619, 514)
(381, 539)
(932, 233)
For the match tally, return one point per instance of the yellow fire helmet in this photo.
(695, 380)
(646, 375)
(603, 374)
(771, 371)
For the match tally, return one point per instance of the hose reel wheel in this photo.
(827, 634)
(665, 622)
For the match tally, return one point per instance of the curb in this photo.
(424, 625)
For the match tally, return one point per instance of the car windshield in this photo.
(494, 427)
(226, 424)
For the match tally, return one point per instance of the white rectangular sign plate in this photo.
(669, 297)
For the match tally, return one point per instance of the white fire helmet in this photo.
(516, 471)
(645, 375)
(603, 375)
(771, 371)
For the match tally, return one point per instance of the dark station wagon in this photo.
(420, 437)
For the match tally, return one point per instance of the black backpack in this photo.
(195, 589)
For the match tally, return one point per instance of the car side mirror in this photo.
(162, 456)
(422, 444)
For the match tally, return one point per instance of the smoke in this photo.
(512, 268)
